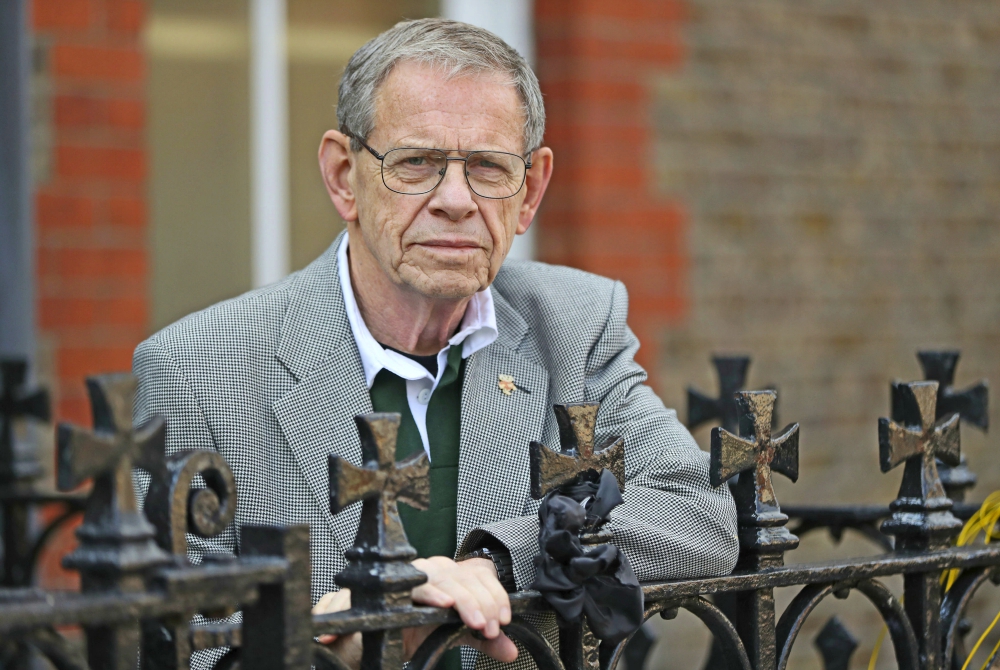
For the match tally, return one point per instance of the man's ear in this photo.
(536, 180)
(335, 164)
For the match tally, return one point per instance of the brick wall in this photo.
(840, 163)
(596, 63)
(90, 199)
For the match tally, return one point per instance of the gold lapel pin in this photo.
(506, 384)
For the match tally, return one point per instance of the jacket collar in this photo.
(315, 322)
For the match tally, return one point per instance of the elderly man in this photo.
(437, 164)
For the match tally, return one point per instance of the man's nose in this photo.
(453, 197)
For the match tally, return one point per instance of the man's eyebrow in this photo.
(421, 145)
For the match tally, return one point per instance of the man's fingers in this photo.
(470, 587)
(334, 601)
(466, 603)
(500, 599)
(487, 605)
(323, 603)
(430, 594)
(502, 648)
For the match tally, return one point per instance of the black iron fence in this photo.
(139, 592)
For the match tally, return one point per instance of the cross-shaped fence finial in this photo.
(380, 482)
(577, 424)
(763, 537)
(921, 513)
(732, 372)
(116, 540)
(378, 570)
(17, 402)
(971, 403)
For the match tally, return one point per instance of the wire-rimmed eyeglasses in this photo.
(415, 170)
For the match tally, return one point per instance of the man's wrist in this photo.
(502, 563)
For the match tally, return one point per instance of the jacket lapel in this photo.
(317, 414)
(493, 479)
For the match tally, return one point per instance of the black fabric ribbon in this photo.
(598, 583)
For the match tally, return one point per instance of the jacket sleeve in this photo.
(673, 523)
(165, 391)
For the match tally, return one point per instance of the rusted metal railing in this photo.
(139, 591)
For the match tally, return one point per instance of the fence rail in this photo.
(140, 592)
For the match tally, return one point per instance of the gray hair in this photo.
(457, 47)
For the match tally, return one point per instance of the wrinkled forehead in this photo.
(426, 104)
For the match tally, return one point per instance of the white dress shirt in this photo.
(477, 330)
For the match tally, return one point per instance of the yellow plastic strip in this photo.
(987, 662)
(878, 647)
(980, 641)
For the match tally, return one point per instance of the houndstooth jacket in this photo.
(272, 380)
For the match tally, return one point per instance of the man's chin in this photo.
(443, 284)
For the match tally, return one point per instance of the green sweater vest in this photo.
(432, 531)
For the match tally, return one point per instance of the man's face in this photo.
(448, 243)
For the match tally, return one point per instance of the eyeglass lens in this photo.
(491, 174)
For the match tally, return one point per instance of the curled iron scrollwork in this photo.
(904, 640)
(714, 619)
(175, 505)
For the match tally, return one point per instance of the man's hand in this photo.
(348, 647)
(471, 587)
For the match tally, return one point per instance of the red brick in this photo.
(127, 212)
(74, 110)
(594, 90)
(50, 573)
(127, 16)
(638, 10)
(57, 211)
(583, 175)
(123, 312)
(56, 313)
(93, 263)
(76, 363)
(74, 409)
(595, 61)
(61, 14)
(96, 63)
(127, 113)
(101, 162)
(638, 52)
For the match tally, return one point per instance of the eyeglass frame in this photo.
(381, 159)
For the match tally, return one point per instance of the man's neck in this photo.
(397, 316)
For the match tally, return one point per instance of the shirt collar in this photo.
(477, 330)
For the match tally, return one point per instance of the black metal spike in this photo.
(836, 645)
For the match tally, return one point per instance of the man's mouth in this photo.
(446, 245)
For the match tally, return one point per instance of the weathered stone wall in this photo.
(840, 166)
(840, 162)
